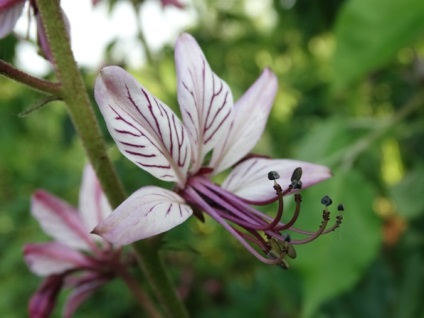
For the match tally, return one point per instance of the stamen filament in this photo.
(326, 218)
(192, 195)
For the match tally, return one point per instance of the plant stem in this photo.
(142, 298)
(24, 78)
(83, 117)
(156, 269)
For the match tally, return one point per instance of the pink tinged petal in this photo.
(206, 101)
(147, 212)
(249, 179)
(43, 301)
(146, 131)
(42, 37)
(83, 290)
(60, 220)
(10, 11)
(174, 3)
(93, 205)
(54, 258)
(250, 116)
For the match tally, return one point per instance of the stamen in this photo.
(298, 200)
(276, 251)
(324, 222)
(192, 196)
(326, 200)
(339, 219)
(295, 178)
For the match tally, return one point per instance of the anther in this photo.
(340, 207)
(277, 251)
(326, 200)
(297, 174)
(295, 178)
(273, 175)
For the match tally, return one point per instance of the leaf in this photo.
(370, 33)
(408, 194)
(333, 263)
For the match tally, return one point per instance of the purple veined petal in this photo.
(250, 116)
(93, 204)
(60, 220)
(147, 212)
(43, 301)
(54, 258)
(146, 131)
(205, 100)
(249, 179)
(10, 11)
(81, 292)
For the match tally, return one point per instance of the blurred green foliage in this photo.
(351, 96)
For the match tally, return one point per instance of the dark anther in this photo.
(296, 184)
(340, 207)
(295, 178)
(297, 174)
(326, 200)
(273, 175)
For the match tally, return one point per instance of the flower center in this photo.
(252, 227)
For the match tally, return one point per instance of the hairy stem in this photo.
(142, 298)
(83, 117)
(26, 79)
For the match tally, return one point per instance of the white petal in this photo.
(93, 204)
(54, 258)
(81, 292)
(250, 116)
(206, 101)
(9, 14)
(146, 131)
(60, 220)
(249, 179)
(147, 212)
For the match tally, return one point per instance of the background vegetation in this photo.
(351, 96)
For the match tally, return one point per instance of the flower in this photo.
(11, 10)
(149, 134)
(76, 258)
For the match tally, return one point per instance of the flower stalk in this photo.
(82, 115)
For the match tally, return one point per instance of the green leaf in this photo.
(370, 32)
(408, 194)
(336, 261)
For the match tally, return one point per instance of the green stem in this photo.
(86, 125)
(24, 78)
(156, 265)
(142, 298)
